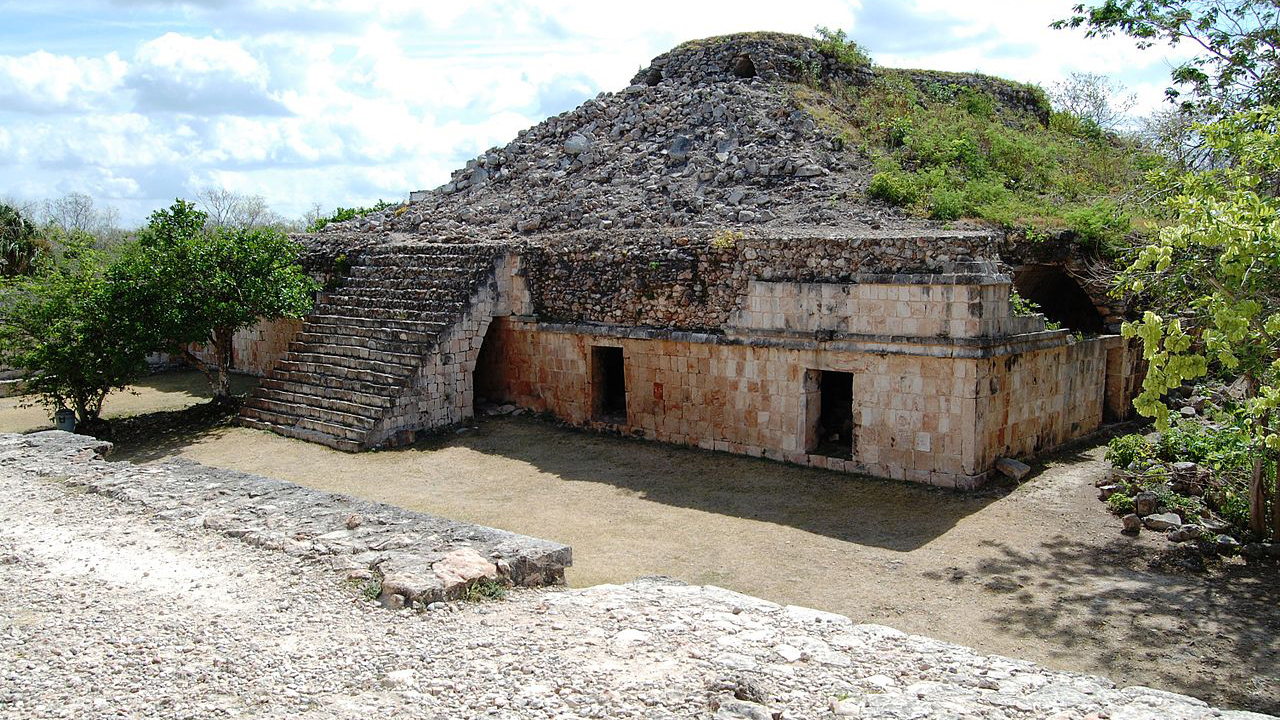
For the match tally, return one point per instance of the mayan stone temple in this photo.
(693, 260)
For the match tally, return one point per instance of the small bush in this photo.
(1100, 225)
(484, 589)
(895, 188)
(1124, 450)
(836, 45)
(1120, 504)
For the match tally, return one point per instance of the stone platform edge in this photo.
(408, 558)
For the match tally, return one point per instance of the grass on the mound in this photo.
(948, 151)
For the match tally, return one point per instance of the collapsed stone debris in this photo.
(669, 262)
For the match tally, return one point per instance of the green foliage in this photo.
(1238, 43)
(1120, 504)
(894, 187)
(726, 238)
(1212, 278)
(199, 284)
(1101, 225)
(950, 150)
(343, 214)
(1124, 450)
(836, 45)
(64, 326)
(484, 589)
(20, 244)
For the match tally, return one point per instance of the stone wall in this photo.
(256, 350)
(696, 283)
(915, 416)
(1032, 401)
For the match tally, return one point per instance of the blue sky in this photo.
(342, 102)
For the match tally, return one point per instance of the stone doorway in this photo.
(829, 413)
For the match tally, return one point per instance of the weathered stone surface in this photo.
(1163, 521)
(1013, 469)
(1132, 523)
(168, 620)
(1145, 503)
(420, 557)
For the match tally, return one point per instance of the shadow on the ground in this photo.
(1178, 624)
(160, 435)
(889, 514)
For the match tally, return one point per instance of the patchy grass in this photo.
(946, 147)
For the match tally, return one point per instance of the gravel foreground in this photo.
(108, 611)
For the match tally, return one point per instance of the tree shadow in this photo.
(162, 434)
(894, 515)
(1145, 611)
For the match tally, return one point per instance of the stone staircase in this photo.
(361, 348)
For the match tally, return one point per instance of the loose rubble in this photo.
(712, 135)
(173, 620)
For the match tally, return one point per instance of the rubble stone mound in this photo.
(710, 135)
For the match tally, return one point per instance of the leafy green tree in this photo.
(63, 326)
(1212, 278)
(200, 284)
(1237, 62)
(20, 243)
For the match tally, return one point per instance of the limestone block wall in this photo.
(693, 283)
(1031, 401)
(933, 306)
(256, 350)
(912, 418)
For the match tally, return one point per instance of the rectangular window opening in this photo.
(609, 385)
(829, 396)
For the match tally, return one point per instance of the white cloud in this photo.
(41, 82)
(342, 102)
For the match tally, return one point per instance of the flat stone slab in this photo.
(412, 556)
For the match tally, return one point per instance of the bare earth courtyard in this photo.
(1039, 572)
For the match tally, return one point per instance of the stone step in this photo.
(314, 436)
(365, 383)
(355, 349)
(389, 328)
(382, 284)
(348, 337)
(368, 406)
(336, 430)
(380, 302)
(366, 293)
(360, 273)
(306, 371)
(386, 366)
(314, 411)
(277, 388)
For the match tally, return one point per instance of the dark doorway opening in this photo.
(609, 385)
(743, 67)
(830, 413)
(488, 381)
(1059, 296)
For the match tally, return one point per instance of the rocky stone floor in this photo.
(108, 609)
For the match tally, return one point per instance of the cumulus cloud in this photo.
(44, 83)
(201, 76)
(343, 102)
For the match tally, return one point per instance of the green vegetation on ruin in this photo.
(951, 146)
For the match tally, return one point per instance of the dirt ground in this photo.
(1039, 571)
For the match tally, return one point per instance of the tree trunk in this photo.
(1258, 479)
(1275, 505)
(222, 341)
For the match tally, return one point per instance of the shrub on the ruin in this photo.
(837, 45)
(893, 187)
(1101, 225)
(949, 148)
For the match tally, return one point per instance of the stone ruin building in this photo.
(693, 260)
